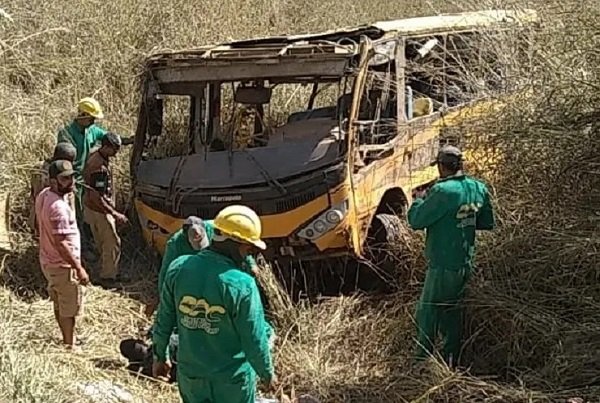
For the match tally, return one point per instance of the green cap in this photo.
(60, 168)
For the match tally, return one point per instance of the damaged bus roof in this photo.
(324, 53)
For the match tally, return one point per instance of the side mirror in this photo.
(252, 95)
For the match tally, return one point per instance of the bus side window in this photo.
(378, 108)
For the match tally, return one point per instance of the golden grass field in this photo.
(534, 308)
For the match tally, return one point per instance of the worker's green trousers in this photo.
(200, 390)
(439, 310)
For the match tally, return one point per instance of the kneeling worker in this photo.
(195, 234)
(223, 334)
(189, 240)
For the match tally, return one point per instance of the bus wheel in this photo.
(314, 279)
(386, 240)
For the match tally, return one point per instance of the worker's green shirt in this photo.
(179, 245)
(219, 317)
(82, 140)
(451, 212)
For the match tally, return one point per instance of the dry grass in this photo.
(35, 368)
(533, 308)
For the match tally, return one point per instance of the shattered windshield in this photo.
(247, 132)
(283, 113)
(247, 115)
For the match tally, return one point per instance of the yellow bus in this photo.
(325, 135)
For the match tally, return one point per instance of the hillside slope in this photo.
(534, 317)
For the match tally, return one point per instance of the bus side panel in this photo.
(408, 167)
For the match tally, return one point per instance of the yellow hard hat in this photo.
(91, 107)
(241, 223)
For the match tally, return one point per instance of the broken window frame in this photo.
(203, 131)
(205, 118)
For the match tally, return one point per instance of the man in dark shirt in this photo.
(99, 206)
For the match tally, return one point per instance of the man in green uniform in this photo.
(223, 334)
(195, 235)
(84, 134)
(450, 212)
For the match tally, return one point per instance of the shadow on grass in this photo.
(139, 263)
(20, 270)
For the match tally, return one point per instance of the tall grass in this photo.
(533, 306)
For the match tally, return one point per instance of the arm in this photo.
(62, 246)
(99, 133)
(169, 256)
(166, 261)
(61, 229)
(426, 212)
(485, 216)
(254, 333)
(127, 140)
(166, 317)
(100, 203)
(96, 183)
(64, 136)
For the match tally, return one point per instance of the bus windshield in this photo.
(251, 132)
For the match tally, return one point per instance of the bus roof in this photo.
(324, 48)
(412, 26)
(415, 26)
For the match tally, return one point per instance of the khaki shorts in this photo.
(65, 291)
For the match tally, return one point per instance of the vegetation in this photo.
(533, 307)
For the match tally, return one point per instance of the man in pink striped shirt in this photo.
(60, 248)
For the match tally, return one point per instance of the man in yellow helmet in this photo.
(220, 320)
(84, 134)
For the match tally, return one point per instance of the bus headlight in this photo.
(334, 216)
(320, 226)
(325, 222)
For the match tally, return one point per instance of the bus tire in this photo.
(385, 241)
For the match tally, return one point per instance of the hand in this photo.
(150, 308)
(121, 219)
(255, 270)
(161, 370)
(82, 276)
(127, 140)
(419, 194)
(271, 385)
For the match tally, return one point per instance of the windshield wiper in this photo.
(265, 174)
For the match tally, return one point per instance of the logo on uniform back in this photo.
(467, 214)
(198, 314)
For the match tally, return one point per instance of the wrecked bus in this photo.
(324, 135)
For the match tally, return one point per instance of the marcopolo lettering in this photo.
(227, 198)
